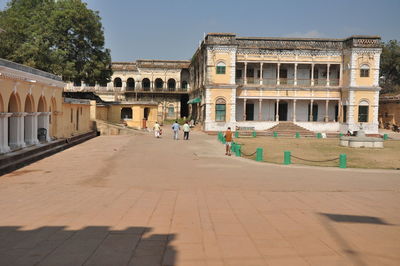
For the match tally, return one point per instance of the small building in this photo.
(32, 109)
(389, 110)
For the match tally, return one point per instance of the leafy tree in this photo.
(390, 67)
(63, 37)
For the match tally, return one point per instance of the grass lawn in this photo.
(323, 149)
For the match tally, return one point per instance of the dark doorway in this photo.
(146, 113)
(344, 113)
(283, 110)
(249, 111)
(336, 112)
(314, 112)
(283, 75)
(184, 106)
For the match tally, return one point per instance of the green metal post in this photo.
(259, 155)
(342, 160)
(238, 151)
(297, 135)
(275, 134)
(254, 134)
(340, 134)
(236, 134)
(385, 136)
(319, 136)
(287, 157)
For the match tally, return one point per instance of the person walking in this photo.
(228, 141)
(186, 130)
(176, 127)
(157, 130)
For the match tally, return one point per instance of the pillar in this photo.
(278, 67)
(311, 110)
(30, 128)
(244, 109)
(43, 122)
(327, 74)
(261, 73)
(260, 109)
(277, 110)
(339, 118)
(245, 73)
(294, 110)
(295, 75)
(312, 74)
(4, 132)
(340, 74)
(16, 129)
(326, 119)
(123, 86)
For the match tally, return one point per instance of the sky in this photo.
(172, 29)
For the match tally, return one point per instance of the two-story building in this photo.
(323, 85)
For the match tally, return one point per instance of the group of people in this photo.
(175, 128)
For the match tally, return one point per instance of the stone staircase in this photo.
(289, 129)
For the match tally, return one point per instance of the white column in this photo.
(312, 74)
(327, 74)
(43, 122)
(17, 131)
(278, 67)
(261, 73)
(311, 110)
(244, 109)
(30, 128)
(295, 75)
(259, 109)
(341, 74)
(4, 132)
(326, 111)
(277, 110)
(123, 85)
(294, 110)
(245, 73)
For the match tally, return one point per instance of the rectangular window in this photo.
(220, 111)
(364, 73)
(220, 69)
(363, 114)
(238, 73)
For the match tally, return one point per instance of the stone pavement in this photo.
(137, 200)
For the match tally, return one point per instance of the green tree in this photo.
(390, 67)
(63, 37)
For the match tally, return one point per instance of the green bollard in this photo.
(219, 136)
(259, 155)
(297, 135)
(385, 136)
(233, 147)
(340, 135)
(223, 140)
(275, 134)
(254, 134)
(319, 136)
(236, 134)
(287, 157)
(342, 160)
(238, 151)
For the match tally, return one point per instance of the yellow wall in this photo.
(221, 78)
(77, 123)
(367, 96)
(225, 94)
(389, 113)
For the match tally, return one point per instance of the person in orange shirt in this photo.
(228, 139)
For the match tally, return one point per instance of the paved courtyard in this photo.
(136, 200)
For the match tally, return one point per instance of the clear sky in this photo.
(172, 29)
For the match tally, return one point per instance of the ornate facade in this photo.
(320, 84)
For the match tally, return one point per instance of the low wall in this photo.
(221, 126)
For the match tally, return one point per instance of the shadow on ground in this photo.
(92, 245)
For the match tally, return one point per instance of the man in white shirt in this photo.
(186, 130)
(157, 130)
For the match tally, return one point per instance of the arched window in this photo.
(146, 84)
(363, 109)
(130, 84)
(364, 71)
(171, 111)
(126, 113)
(221, 68)
(220, 110)
(171, 84)
(184, 84)
(117, 82)
(159, 83)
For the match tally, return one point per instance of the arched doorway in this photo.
(126, 113)
(171, 84)
(159, 84)
(53, 118)
(146, 113)
(146, 84)
(15, 123)
(130, 84)
(117, 82)
(30, 125)
(43, 120)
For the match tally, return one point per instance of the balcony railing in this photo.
(303, 82)
(269, 81)
(288, 82)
